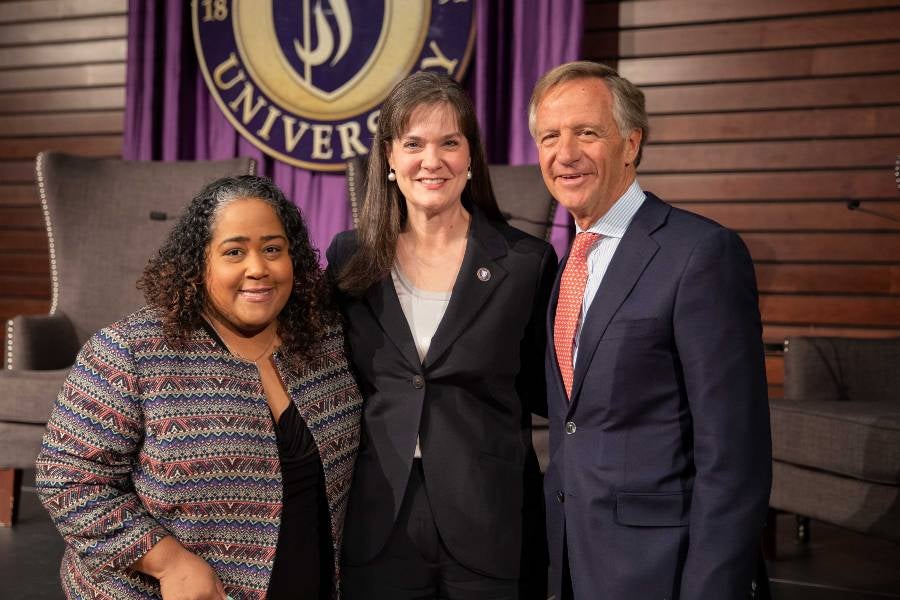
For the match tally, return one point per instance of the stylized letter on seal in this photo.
(313, 57)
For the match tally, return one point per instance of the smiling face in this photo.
(586, 163)
(249, 273)
(431, 159)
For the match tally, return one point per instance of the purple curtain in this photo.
(516, 43)
(170, 115)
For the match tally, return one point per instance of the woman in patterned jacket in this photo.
(203, 447)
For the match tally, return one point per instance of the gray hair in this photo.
(629, 109)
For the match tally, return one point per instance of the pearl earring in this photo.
(392, 176)
(469, 174)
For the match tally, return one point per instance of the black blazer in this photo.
(469, 401)
(660, 464)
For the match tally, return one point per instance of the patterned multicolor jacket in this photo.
(146, 441)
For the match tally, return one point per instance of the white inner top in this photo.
(424, 311)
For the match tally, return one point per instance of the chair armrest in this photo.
(40, 342)
(841, 369)
(28, 396)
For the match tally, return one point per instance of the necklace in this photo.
(256, 360)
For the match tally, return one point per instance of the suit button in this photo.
(570, 427)
(418, 382)
(560, 497)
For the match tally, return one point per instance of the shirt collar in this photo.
(615, 221)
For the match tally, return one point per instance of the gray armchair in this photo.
(104, 218)
(836, 433)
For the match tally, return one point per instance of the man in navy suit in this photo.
(660, 451)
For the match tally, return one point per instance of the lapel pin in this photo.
(484, 274)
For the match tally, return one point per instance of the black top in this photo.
(302, 569)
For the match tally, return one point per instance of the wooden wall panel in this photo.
(68, 53)
(99, 98)
(647, 13)
(828, 278)
(793, 124)
(776, 185)
(62, 87)
(18, 195)
(95, 145)
(796, 216)
(782, 64)
(71, 77)
(836, 29)
(788, 155)
(24, 241)
(836, 92)
(50, 10)
(816, 247)
(43, 32)
(769, 117)
(61, 123)
(776, 333)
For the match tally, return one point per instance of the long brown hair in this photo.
(384, 210)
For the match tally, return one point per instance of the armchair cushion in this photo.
(21, 444)
(832, 368)
(25, 395)
(41, 342)
(869, 508)
(854, 439)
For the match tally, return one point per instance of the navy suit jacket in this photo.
(660, 466)
(469, 401)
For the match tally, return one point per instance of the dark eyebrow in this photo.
(243, 239)
(417, 138)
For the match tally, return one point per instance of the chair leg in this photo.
(10, 491)
(759, 586)
(803, 531)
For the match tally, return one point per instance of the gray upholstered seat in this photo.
(104, 219)
(836, 434)
(853, 439)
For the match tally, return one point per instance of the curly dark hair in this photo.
(173, 280)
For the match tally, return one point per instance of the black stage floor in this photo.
(836, 565)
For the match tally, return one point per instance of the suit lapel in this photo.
(484, 248)
(385, 305)
(631, 258)
(556, 376)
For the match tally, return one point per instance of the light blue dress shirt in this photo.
(611, 226)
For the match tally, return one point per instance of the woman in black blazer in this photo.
(444, 306)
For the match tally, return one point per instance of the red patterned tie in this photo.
(568, 307)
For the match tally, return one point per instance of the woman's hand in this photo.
(182, 574)
(190, 578)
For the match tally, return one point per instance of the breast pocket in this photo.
(632, 328)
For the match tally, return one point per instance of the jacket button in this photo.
(560, 497)
(418, 382)
(570, 427)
